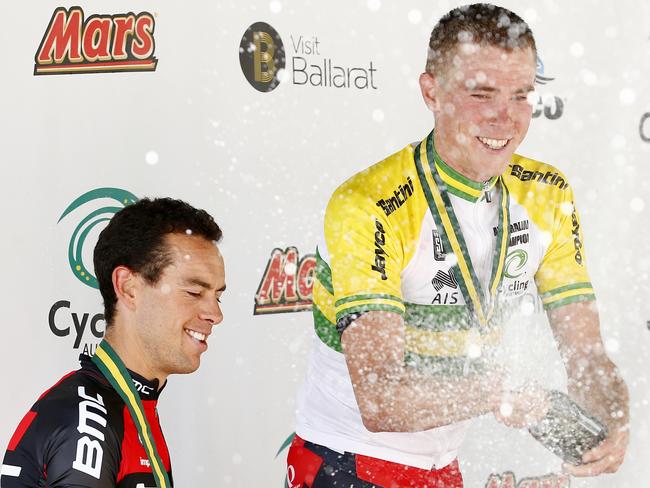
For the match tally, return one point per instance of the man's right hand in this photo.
(522, 407)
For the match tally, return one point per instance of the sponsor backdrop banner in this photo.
(256, 111)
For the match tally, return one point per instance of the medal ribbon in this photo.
(435, 191)
(112, 367)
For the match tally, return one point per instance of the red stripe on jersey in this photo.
(20, 430)
(134, 458)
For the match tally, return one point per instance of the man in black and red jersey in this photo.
(161, 276)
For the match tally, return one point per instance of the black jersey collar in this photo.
(148, 389)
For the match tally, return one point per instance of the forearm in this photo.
(411, 402)
(593, 379)
(394, 397)
(601, 390)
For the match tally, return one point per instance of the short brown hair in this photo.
(479, 23)
(135, 237)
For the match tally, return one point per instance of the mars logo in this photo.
(261, 56)
(98, 44)
(63, 319)
(287, 283)
(507, 480)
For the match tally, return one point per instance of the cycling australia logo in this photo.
(63, 318)
(540, 77)
(263, 60)
(547, 105)
(514, 269)
(97, 44)
(515, 263)
(287, 283)
(261, 56)
(85, 226)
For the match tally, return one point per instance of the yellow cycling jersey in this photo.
(382, 250)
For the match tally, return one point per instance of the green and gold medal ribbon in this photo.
(112, 367)
(435, 191)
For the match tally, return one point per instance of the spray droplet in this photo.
(505, 409)
(577, 49)
(151, 158)
(374, 5)
(636, 204)
(415, 16)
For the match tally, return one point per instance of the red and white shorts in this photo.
(311, 465)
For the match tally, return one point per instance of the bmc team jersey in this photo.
(79, 433)
(382, 251)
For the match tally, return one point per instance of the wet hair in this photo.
(135, 238)
(479, 23)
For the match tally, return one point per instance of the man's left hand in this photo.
(607, 457)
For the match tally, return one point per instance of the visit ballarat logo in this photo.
(261, 56)
(287, 283)
(97, 44)
(104, 213)
(306, 60)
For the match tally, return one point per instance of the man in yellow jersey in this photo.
(423, 256)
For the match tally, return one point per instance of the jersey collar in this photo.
(460, 185)
(148, 389)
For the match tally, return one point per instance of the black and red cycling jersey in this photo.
(79, 433)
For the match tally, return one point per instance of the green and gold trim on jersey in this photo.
(368, 302)
(577, 292)
(446, 366)
(459, 185)
(428, 163)
(439, 338)
(452, 343)
(112, 367)
(323, 305)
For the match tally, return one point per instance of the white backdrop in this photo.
(264, 164)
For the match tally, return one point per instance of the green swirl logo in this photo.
(515, 262)
(97, 216)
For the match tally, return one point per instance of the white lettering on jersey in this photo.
(89, 451)
(291, 476)
(89, 457)
(9, 470)
(144, 389)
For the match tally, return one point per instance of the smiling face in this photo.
(174, 316)
(481, 108)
